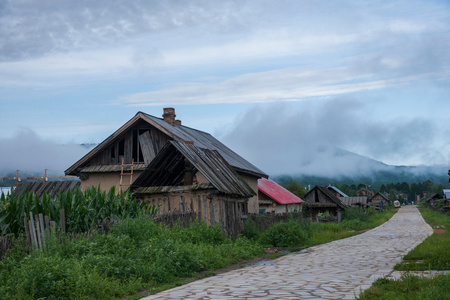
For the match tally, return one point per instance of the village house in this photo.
(183, 177)
(319, 200)
(124, 156)
(273, 198)
(380, 201)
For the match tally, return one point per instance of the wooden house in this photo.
(431, 201)
(378, 198)
(273, 198)
(365, 192)
(122, 158)
(380, 201)
(183, 177)
(320, 200)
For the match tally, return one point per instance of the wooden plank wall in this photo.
(218, 209)
(153, 140)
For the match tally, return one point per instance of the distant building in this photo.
(273, 198)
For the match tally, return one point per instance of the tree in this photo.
(295, 188)
(392, 195)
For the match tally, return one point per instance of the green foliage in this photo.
(82, 210)
(287, 234)
(295, 188)
(409, 287)
(433, 252)
(251, 231)
(136, 254)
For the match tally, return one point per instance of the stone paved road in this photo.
(336, 270)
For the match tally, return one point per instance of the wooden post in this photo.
(41, 224)
(47, 223)
(32, 229)
(38, 231)
(27, 230)
(62, 220)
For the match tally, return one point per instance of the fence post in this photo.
(27, 230)
(62, 220)
(32, 229)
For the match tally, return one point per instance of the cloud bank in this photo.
(335, 137)
(29, 153)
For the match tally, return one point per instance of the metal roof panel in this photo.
(276, 192)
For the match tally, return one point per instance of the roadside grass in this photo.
(355, 221)
(139, 257)
(409, 287)
(432, 254)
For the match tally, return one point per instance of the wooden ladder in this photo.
(126, 174)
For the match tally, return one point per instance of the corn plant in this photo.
(82, 209)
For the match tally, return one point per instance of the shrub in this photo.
(353, 224)
(287, 234)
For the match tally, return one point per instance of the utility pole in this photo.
(17, 178)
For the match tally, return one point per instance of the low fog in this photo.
(330, 138)
(31, 154)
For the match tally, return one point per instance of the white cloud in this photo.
(28, 152)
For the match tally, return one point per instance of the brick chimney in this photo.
(169, 115)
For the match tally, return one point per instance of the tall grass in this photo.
(82, 210)
(137, 254)
(302, 233)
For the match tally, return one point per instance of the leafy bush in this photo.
(287, 234)
(251, 231)
(356, 213)
(136, 254)
(353, 224)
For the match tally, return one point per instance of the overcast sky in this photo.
(278, 81)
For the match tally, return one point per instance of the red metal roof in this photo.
(276, 192)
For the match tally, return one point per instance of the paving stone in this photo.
(337, 270)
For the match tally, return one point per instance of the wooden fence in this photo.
(177, 217)
(265, 221)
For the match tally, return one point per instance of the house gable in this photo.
(177, 163)
(143, 136)
(321, 196)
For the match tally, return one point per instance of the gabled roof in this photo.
(434, 196)
(329, 194)
(337, 190)
(179, 133)
(276, 192)
(384, 196)
(167, 169)
(50, 187)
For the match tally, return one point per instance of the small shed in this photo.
(380, 201)
(319, 200)
(431, 201)
(183, 177)
(273, 198)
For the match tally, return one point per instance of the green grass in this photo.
(434, 252)
(137, 255)
(409, 287)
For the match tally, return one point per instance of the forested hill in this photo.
(390, 174)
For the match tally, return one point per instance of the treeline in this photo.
(402, 191)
